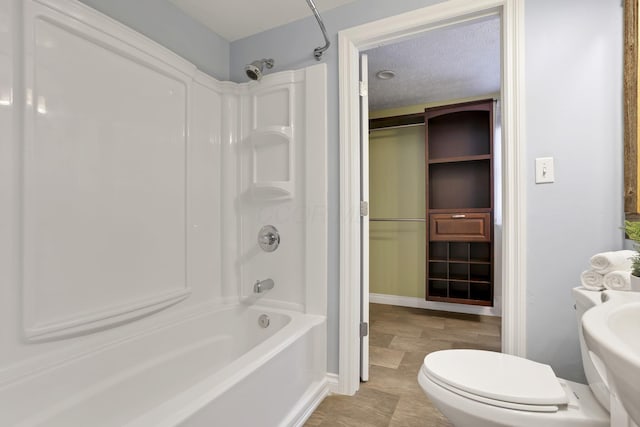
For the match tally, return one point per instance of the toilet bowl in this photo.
(477, 388)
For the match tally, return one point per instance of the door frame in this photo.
(364, 219)
(393, 29)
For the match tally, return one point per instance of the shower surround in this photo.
(138, 187)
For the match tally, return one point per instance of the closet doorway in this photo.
(443, 17)
(433, 136)
(456, 66)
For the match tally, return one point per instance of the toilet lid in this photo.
(496, 376)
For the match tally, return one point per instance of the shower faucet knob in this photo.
(269, 238)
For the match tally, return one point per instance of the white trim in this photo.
(432, 305)
(332, 382)
(350, 43)
(514, 277)
(349, 350)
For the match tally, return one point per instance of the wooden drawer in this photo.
(460, 226)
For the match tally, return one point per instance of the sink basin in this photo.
(612, 332)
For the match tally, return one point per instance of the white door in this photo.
(364, 220)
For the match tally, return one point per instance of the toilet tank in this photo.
(585, 300)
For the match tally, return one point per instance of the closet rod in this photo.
(396, 127)
(399, 219)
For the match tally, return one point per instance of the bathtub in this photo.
(218, 368)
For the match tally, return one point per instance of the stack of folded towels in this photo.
(611, 270)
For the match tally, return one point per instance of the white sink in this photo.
(612, 332)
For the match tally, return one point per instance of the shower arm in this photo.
(317, 52)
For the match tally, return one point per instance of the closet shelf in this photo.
(459, 159)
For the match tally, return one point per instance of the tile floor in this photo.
(399, 339)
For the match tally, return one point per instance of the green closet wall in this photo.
(397, 190)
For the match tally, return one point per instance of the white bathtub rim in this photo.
(82, 395)
(59, 406)
(186, 403)
(39, 365)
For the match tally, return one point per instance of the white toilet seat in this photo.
(489, 401)
(487, 398)
(497, 379)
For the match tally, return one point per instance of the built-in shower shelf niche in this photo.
(272, 157)
(272, 143)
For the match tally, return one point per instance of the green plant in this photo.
(633, 231)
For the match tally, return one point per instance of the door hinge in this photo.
(364, 329)
(364, 208)
(364, 89)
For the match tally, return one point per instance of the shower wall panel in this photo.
(114, 185)
(281, 141)
(105, 179)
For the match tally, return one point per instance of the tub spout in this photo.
(262, 285)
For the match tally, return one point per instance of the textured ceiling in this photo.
(455, 62)
(237, 19)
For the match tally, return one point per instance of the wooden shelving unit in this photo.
(459, 198)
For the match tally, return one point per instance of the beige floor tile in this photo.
(315, 419)
(488, 345)
(378, 339)
(483, 327)
(418, 344)
(368, 407)
(417, 411)
(386, 357)
(398, 382)
(394, 327)
(457, 335)
(412, 360)
(423, 320)
(346, 421)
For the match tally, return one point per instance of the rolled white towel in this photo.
(606, 262)
(592, 280)
(618, 281)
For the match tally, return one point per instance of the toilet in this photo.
(476, 388)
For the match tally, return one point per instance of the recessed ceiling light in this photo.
(385, 74)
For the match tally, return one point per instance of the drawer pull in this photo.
(458, 216)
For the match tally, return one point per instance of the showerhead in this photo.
(254, 70)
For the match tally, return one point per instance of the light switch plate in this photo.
(544, 170)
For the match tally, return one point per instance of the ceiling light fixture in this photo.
(385, 74)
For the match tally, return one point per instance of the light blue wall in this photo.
(574, 113)
(164, 23)
(573, 110)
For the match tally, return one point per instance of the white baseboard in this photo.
(333, 381)
(433, 305)
(308, 403)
